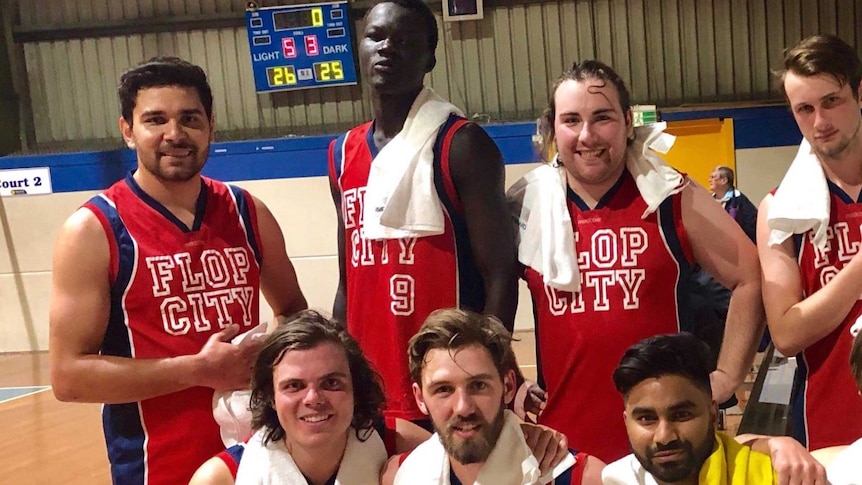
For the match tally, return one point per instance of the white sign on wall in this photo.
(25, 181)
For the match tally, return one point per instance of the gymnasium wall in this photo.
(68, 54)
(289, 176)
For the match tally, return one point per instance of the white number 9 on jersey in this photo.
(401, 290)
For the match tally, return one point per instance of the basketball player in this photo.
(461, 363)
(811, 287)
(633, 263)
(388, 285)
(153, 277)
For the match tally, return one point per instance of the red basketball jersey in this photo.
(393, 285)
(826, 409)
(632, 272)
(172, 288)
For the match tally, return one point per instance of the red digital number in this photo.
(311, 47)
(289, 47)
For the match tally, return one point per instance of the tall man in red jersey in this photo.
(812, 280)
(153, 277)
(634, 258)
(390, 284)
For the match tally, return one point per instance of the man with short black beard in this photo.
(670, 420)
(462, 369)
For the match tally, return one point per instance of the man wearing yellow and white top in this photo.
(670, 420)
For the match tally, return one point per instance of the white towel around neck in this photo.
(538, 200)
(510, 463)
(401, 200)
(801, 202)
(272, 464)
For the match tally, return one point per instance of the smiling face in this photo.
(314, 397)
(170, 132)
(394, 52)
(591, 131)
(827, 113)
(465, 396)
(671, 427)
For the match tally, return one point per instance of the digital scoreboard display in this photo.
(300, 46)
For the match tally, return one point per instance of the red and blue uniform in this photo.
(394, 284)
(172, 287)
(825, 407)
(633, 273)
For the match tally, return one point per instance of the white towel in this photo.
(272, 464)
(231, 408)
(626, 471)
(547, 241)
(510, 463)
(401, 200)
(656, 180)
(546, 238)
(801, 202)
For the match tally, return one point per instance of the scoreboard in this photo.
(300, 46)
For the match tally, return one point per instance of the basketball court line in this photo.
(11, 393)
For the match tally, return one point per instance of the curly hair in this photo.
(303, 331)
(580, 71)
(159, 72)
(453, 329)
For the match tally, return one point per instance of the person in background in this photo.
(734, 202)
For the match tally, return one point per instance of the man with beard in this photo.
(461, 364)
(670, 420)
(153, 277)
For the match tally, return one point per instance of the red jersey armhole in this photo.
(578, 470)
(228, 460)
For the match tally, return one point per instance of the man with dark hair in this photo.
(462, 366)
(153, 277)
(609, 235)
(670, 421)
(420, 200)
(809, 240)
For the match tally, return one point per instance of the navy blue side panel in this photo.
(242, 203)
(124, 436)
(540, 379)
(236, 452)
(116, 341)
(471, 287)
(798, 430)
(685, 311)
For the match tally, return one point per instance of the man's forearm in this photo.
(742, 332)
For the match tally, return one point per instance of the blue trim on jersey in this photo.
(540, 378)
(242, 206)
(684, 308)
(583, 207)
(471, 287)
(369, 140)
(798, 430)
(236, 452)
(124, 436)
(200, 204)
(839, 192)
